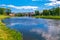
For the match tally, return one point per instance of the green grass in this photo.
(7, 33)
(4, 16)
(48, 17)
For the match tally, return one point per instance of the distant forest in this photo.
(50, 12)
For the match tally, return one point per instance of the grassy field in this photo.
(48, 17)
(7, 33)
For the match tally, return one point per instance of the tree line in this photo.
(50, 12)
(5, 11)
(47, 12)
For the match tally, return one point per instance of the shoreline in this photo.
(7, 33)
(47, 17)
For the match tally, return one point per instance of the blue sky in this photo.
(28, 5)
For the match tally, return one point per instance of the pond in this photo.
(35, 28)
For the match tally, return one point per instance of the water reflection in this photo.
(35, 29)
(54, 29)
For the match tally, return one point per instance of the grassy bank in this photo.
(3, 16)
(7, 33)
(48, 17)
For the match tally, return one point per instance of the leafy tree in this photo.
(37, 12)
(52, 12)
(5, 11)
(19, 14)
(56, 11)
(46, 12)
(2, 11)
(8, 11)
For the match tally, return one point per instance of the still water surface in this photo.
(35, 28)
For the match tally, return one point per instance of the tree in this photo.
(56, 11)
(8, 11)
(37, 12)
(19, 14)
(5, 11)
(46, 12)
(2, 11)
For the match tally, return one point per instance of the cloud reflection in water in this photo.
(53, 30)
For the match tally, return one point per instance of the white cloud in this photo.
(11, 6)
(50, 4)
(53, 3)
(21, 7)
(58, 2)
(52, 0)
